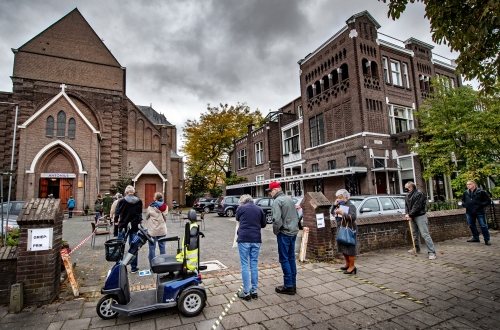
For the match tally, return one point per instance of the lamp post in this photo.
(11, 171)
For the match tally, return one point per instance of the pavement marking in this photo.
(445, 265)
(382, 287)
(224, 312)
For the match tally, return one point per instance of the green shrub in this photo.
(13, 237)
(445, 205)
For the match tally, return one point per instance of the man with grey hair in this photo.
(129, 210)
(285, 227)
(415, 203)
(251, 220)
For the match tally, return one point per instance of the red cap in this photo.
(273, 185)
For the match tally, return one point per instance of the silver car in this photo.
(378, 205)
(15, 209)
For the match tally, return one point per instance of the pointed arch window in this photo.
(71, 128)
(61, 123)
(49, 126)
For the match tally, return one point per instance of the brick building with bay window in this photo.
(350, 126)
(77, 131)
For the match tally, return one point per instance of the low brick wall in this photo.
(8, 266)
(392, 231)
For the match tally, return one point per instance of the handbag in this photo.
(346, 235)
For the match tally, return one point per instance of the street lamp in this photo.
(11, 166)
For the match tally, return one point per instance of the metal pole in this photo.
(12, 162)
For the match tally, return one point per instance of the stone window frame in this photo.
(316, 130)
(291, 138)
(395, 69)
(242, 159)
(259, 153)
(385, 64)
(404, 114)
(405, 74)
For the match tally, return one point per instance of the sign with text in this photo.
(40, 239)
(320, 220)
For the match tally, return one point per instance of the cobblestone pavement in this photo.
(392, 290)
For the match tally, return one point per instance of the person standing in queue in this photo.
(71, 205)
(475, 200)
(285, 227)
(347, 216)
(129, 210)
(251, 220)
(156, 224)
(112, 212)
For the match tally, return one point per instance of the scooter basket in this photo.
(114, 249)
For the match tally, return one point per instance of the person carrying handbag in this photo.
(345, 215)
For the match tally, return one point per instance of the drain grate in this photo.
(212, 265)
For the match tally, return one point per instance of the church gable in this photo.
(73, 38)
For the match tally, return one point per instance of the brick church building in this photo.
(77, 131)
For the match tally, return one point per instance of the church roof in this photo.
(153, 115)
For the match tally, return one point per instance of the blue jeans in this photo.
(152, 247)
(133, 263)
(286, 251)
(481, 218)
(249, 260)
(420, 227)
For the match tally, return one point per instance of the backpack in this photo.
(98, 206)
(71, 203)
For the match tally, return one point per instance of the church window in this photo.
(61, 124)
(49, 127)
(71, 128)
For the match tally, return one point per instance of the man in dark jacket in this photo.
(415, 203)
(475, 200)
(129, 210)
(285, 227)
(252, 220)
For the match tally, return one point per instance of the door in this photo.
(381, 183)
(65, 191)
(149, 190)
(44, 188)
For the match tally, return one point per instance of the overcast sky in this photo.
(182, 55)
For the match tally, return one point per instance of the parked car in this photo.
(14, 209)
(376, 205)
(226, 206)
(204, 204)
(266, 204)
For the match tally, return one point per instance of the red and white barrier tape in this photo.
(83, 242)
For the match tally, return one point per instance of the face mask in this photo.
(341, 202)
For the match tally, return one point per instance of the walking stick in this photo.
(412, 238)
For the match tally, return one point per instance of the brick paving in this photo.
(392, 290)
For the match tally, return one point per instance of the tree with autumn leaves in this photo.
(458, 135)
(208, 142)
(469, 27)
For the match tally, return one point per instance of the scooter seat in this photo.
(164, 264)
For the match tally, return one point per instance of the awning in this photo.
(383, 169)
(305, 176)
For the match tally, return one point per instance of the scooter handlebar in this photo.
(144, 231)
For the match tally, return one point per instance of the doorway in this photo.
(149, 192)
(56, 188)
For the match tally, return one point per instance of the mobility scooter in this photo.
(178, 281)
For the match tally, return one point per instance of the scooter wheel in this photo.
(103, 307)
(191, 302)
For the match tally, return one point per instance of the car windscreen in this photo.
(356, 201)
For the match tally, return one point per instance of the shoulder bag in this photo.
(346, 235)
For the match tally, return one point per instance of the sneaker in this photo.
(487, 243)
(133, 271)
(254, 295)
(284, 290)
(243, 295)
(432, 256)
(412, 251)
(473, 240)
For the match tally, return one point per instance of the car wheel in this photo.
(103, 307)
(206, 209)
(269, 218)
(191, 302)
(229, 213)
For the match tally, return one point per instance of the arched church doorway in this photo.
(57, 175)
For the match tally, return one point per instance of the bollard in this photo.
(16, 298)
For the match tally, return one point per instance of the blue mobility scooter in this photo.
(177, 283)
